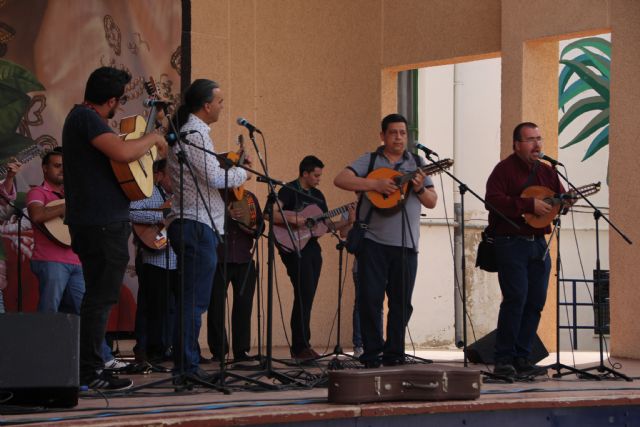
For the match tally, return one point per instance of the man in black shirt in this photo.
(304, 272)
(97, 211)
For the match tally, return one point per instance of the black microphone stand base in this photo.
(607, 373)
(580, 373)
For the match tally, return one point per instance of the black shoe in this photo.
(200, 375)
(392, 362)
(525, 368)
(372, 364)
(106, 380)
(504, 369)
(242, 357)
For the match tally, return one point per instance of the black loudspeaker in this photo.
(39, 359)
(482, 351)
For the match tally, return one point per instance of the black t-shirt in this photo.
(293, 201)
(93, 195)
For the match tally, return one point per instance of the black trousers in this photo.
(104, 253)
(243, 291)
(155, 314)
(304, 273)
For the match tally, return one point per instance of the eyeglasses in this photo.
(533, 139)
(123, 99)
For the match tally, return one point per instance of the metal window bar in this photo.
(601, 301)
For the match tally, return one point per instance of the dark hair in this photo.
(197, 94)
(159, 165)
(393, 118)
(517, 132)
(106, 83)
(57, 151)
(309, 164)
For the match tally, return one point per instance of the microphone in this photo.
(243, 122)
(554, 162)
(172, 138)
(154, 103)
(426, 150)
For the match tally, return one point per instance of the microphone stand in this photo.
(463, 189)
(597, 214)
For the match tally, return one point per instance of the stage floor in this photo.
(161, 404)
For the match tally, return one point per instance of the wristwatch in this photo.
(419, 192)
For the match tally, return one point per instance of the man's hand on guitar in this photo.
(385, 186)
(13, 167)
(540, 207)
(418, 180)
(161, 145)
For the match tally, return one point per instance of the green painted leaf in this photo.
(601, 63)
(10, 145)
(17, 77)
(599, 43)
(566, 73)
(600, 141)
(580, 107)
(600, 120)
(598, 83)
(13, 105)
(576, 88)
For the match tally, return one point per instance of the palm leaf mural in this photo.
(582, 75)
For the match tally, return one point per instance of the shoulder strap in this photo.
(372, 160)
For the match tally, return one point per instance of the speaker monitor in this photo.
(482, 351)
(39, 359)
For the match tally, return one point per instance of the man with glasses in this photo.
(523, 265)
(97, 211)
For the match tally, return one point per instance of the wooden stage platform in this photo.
(546, 401)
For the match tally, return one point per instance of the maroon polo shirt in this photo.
(504, 186)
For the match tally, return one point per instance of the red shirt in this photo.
(504, 186)
(46, 249)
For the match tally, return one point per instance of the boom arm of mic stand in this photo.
(595, 209)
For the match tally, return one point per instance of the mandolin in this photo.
(23, 157)
(315, 227)
(402, 180)
(554, 199)
(152, 236)
(136, 178)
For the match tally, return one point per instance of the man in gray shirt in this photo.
(388, 260)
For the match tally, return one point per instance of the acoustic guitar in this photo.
(314, 227)
(55, 228)
(152, 236)
(136, 178)
(554, 199)
(402, 180)
(235, 194)
(23, 157)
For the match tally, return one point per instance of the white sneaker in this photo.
(357, 351)
(115, 364)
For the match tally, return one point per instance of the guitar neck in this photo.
(430, 169)
(333, 212)
(22, 157)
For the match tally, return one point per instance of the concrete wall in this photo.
(317, 76)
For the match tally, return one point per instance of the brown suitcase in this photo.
(406, 382)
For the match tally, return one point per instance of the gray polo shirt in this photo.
(385, 226)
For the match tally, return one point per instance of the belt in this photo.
(528, 238)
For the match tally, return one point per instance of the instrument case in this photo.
(405, 382)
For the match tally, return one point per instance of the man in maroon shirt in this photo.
(523, 266)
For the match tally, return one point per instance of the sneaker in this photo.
(115, 364)
(504, 369)
(358, 351)
(524, 367)
(107, 381)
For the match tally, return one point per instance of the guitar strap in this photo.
(367, 218)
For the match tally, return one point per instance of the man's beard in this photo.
(112, 113)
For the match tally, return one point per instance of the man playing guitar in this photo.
(304, 272)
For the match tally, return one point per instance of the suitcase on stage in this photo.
(406, 382)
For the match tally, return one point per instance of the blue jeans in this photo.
(389, 270)
(199, 267)
(357, 336)
(61, 286)
(524, 278)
